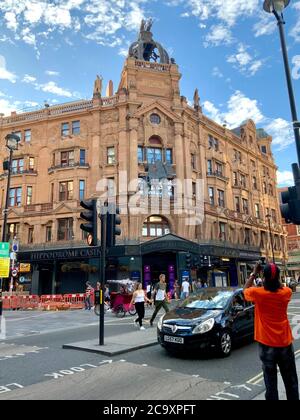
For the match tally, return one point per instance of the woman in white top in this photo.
(138, 299)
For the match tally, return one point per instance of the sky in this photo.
(51, 51)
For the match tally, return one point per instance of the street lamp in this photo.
(12, 142)
(276, 7)
(268, 216)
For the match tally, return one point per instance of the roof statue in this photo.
(196, 100)
(98, 87)
(145, 48)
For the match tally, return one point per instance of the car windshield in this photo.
(209, 300)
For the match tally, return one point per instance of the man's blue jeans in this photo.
(284, 358)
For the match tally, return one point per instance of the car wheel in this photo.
(225, 344)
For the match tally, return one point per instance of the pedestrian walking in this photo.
(161, 299)
(138, 299)
(176, 290)
(185, 289)
(88, 296)
(273, 331)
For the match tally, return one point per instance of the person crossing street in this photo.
(161, 299)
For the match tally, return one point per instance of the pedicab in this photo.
(120, 299)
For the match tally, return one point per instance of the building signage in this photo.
(4, 267)
(170, 245)
(25, 268)
(64, 254)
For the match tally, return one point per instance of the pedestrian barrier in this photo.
(44, 302)
(76, 301)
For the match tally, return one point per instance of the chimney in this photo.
(110, 88)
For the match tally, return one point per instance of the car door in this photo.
(241, 320)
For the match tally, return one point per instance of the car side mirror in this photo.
(237, 308)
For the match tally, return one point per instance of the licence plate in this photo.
(177, 340)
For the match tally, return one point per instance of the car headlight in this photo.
(204, 327)
(160, 323)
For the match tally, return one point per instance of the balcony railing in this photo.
(217, 175)
(68, 166)
(38, 208)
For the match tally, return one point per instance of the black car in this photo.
(211, 319)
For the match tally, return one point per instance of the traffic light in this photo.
(91, 217)
(188, 260)
(112, 229)
(290, 207)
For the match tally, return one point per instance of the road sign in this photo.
(4, 249)
(4, 267)
(15, 246)
(14, 272)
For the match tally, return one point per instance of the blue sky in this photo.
(229, 49)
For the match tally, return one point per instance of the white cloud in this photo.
(4, 73)
(7, 106)
(295, 32)
(11, 20)
(52, 87)
(265, 26)
(52, 73)
(217, 73)
(244, 62)
(285, 178)
(239, 109)
(218, 35)
(296, 67)
(282, 133)
(28, 79)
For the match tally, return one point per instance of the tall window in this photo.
(221, 198)
(17, 166)
(30, 235)
(257, 211)
(243, 180)
(213, 143)
(66, 190)
(31, 164)
(264, 149)
(111, 187)
(265, 188)
(13, 230)
(271, 190)
(254, 182)
(222, 231)
(81, 189)
(48, 233)
(75, 127)
(65, 229)
(237, 156)
(209, 167)
(237, 204)
(15, 196)
(245, 206)
(65, 130)
(52, 193)
(154, 155)
(67, 158)
(111, 157)
(235, 179)
(140, 154)
(263, 240)
(82, 157)
(27, 135)
(247, 236)
(169, 156)
(273, 215)
(29, 196)
(211, 194)
(193, 161)
(156, 226)
(219, 169)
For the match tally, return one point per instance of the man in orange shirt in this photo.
(273, 331)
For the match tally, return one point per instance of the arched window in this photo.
(156, 226)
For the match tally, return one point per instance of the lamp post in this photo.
(268, 216)
(276, 7)
(12, 141)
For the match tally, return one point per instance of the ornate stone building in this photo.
(145, 129)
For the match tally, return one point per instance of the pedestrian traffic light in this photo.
(188, 260)
(91, 217)
(112, 229)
